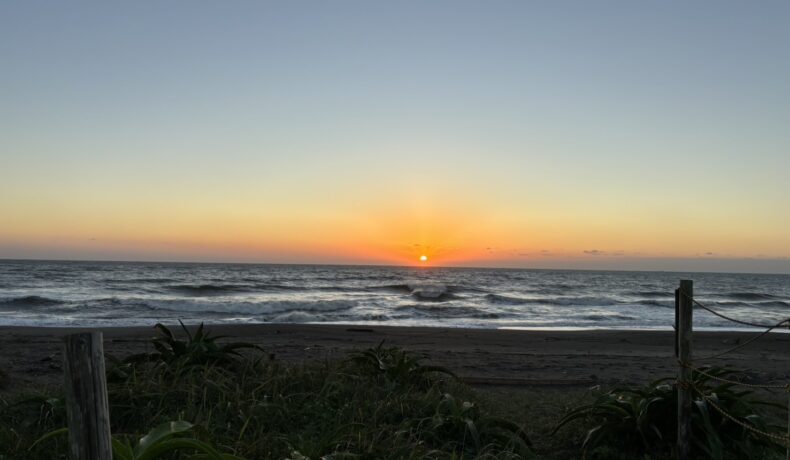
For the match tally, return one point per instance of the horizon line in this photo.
(472, 267)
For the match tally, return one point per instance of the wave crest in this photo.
(431, 292)
(253, 308)
(446, 311)
(749, 296)
(508, 300)
(29, 301)
(208, 290)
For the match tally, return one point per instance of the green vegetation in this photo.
(159, 443)
(163, 440)
(198, 349)
(194, 398)
(637, 422)
(379, 403)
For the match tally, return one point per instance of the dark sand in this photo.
(31, 356)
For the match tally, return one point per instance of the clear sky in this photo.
(634, 135)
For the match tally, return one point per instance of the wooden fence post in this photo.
(683, 323)
(87, 409)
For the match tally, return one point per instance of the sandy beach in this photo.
(31, 356)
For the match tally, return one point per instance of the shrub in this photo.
(639, 421)
(24, 420)
(200, 348)
(392, 366)
(163, 440)
(382, 403)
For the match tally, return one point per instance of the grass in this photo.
(379, 403)
(541, 407)
(639, 422)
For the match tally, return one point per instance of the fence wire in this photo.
(783, 440)
(782, 386)
(742, 345)
(768, 328)
(734, 320)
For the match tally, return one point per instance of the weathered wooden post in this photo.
(677, 305)
(683, 325)
(87, 409)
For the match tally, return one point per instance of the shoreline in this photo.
(352, 324)
(633, 329)
(31, 356)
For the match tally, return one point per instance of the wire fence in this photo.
(776, 437)
(784, 440)
(739, 321)
(784, 386)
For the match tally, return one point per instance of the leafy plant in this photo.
(643, 420)
(470, 429)
(383, 403)
(158, 443)
(395, 366)
(385, 397)
(163, 440)
(24, 419)
(198, 349)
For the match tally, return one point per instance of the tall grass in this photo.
(634, 422)
(380, 403)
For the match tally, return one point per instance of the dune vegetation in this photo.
(195, 397)
(234, 400)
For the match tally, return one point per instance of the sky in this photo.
(611, 134)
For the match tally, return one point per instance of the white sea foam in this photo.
(77, 294)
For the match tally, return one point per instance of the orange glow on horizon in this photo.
(416, 227)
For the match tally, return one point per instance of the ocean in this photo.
(39, 293)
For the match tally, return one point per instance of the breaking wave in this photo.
(252, 308)
(207, 290)
(430, 292)
(608, 317)
(29, 301)
(749, 296)
(447, 311)
(125, 294)
(650, 294)
(766, 303)
(655, 303)
(508, 300)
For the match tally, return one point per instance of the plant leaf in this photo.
(159, 434)
(51, 434)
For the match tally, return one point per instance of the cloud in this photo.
(596, 252)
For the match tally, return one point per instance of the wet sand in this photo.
(31, 356)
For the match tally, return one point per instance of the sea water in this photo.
(38, 293)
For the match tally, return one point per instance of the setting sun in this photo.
(423, 258)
